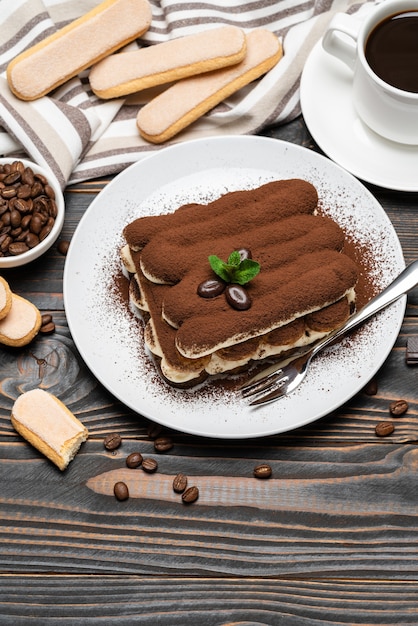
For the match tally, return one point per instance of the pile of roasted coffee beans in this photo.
(27, 208)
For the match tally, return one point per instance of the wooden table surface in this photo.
(331, 538)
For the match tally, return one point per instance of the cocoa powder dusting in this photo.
(165, 232)
(303, 269)
(366, 288)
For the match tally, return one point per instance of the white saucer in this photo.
(332, 121)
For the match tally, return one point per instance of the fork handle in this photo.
(406, 281)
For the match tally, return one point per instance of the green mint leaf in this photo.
(247, 270)
(219, 267)
(235, 270)
(234, 259)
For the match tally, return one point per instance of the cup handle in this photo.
(340, 38)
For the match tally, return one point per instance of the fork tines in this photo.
(272, 382)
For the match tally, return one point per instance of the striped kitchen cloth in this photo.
(80, 137)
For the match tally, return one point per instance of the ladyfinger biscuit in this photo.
(78, 45)
(21, 324)
(186, 101)
(43, 420)
(5, 298)
(127, 72)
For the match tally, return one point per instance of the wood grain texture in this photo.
(71, 600)
(53, 362)
(328, 511)
(330, 539)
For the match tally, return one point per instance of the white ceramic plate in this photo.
(109, 341)
(332, 121)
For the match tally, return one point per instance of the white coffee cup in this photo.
(387, 110)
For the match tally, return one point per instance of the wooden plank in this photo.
(53, 362)
(329, 511)
(127, 600)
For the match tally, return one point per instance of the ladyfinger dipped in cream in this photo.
(127, 72)
(187, 100)
(77, 46)
(43, 420)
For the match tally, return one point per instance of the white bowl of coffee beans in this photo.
(31, 211)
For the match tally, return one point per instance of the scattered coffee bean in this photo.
(47, 324)
(134, 460)
(46, 318)
(154, 430)
(398, 408)
(383, 429)
(47, 329)
(63, 246)
(121, 491)
(237, 297)
(180, 483)
(112, 441)
(190, 495)
(149, 465)
(371, 388)
(263, 471)
(27, 209)
(163, 444)
(211, 288)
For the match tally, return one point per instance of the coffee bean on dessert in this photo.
(383, 429)
(237, 297)
(262, 471)
(179, 483)
(63, 246)
(244, 253)
(190, 495)
(398, 408)
(27, 209)
(121, 491)
(210, 288)
(112, 441)
(163, 444)
(134, 460)
(149, 465)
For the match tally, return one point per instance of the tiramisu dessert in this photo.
(249, 276)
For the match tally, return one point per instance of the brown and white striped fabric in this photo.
(80, 137)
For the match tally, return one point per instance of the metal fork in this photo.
(282, 378)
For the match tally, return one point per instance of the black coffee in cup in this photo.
(392, 50)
